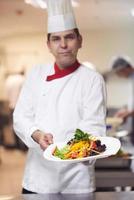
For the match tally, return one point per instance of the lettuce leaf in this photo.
(60, 153)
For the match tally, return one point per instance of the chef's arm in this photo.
(24, 113)
(94, 102)
(124, 113)
(131, 113)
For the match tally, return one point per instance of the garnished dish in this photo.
(81, 146)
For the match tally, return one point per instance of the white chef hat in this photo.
(120, 62)
(60, 16)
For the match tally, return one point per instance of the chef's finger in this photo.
(49, 138)
(44, 145)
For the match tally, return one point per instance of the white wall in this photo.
(119, 92)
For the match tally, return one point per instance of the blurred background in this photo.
(107, 28)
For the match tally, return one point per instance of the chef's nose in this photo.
(63, 43)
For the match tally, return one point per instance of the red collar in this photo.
(59, 73)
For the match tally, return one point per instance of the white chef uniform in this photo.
(59, 107)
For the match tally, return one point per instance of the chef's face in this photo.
(125, 72)
(64, 46)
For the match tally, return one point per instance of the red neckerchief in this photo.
(59, 73)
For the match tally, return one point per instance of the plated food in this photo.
(82, 145)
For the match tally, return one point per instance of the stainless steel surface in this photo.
(113, 163)
(92, 196)
(113, 178)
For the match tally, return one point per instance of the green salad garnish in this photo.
(61, 152)
(80, 135)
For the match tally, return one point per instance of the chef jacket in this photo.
(60, 106)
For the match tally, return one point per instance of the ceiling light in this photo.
(132, 12)
(37, 3)
(75, 3)
(42, 3)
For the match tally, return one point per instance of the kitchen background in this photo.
(107, 27)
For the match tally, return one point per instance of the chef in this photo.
(56, 100)
(123, 67)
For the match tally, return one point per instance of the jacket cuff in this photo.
(29, 140)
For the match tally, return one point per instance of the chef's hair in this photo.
(121, 63)
(76, 30)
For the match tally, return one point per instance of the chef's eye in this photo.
(54, 39)
(70, 36)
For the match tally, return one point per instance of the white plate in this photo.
(112, 147)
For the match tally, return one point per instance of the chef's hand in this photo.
(43, 139)
(123, 113)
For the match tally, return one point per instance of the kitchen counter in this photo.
(92, 196)
(112, 178)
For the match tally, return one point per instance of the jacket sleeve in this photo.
(94, 107)
(24, 115)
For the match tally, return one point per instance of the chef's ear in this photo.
(80, 41)
(48, 41)
(48, 45)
